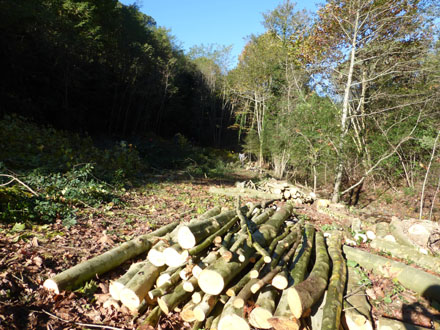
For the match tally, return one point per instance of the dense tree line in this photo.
(348, 95)
(104, 68)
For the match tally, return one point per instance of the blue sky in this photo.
(223, 22)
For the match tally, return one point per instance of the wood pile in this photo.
(283, 189)
(250, 267)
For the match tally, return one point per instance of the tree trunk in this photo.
(331, 318)
(414, 279)
(407, 253)
(168, 302)
(266, 304)
(232, 318)
(137, 288)
(304, 295)
(98, 265)
(191, 234)
(283, 317)
(344, 115)
(117, 286)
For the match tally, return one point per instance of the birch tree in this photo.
(371, 47)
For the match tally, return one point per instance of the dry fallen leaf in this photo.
(38, 261)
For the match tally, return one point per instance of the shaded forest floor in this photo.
(28, 256)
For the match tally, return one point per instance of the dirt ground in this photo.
(29, 256)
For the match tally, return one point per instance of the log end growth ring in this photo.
(233, 322)
(259, 318)
(186, 238)
(51, 285)
(130, 299)
(211, 282)
(294, 301)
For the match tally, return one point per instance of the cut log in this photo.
(389, 324)
(117, 286)
(187, 313)
(189, 286)
(152, 318)
(191, 234)
(208, 241)
(358, 309)
(396, 229)
(250, 193)
(202, 310)
(283, 317)
(165, 287)
(73, 277)
(215, 313)
(209, 214)
(408, 253)
(304, 295)
(281, 280)
(168, 302)
(213, 279)
(174, 256)
(331, 318)
(266, 304)
(244, 294)
(137, 288)
(232, 318)
(414, 279)
(197, 297)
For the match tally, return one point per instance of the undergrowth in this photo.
(60, 173)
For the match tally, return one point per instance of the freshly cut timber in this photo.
(202, 310)
(252, 274)
(169, 301)
(208, 241)
(187, 313)
(165, 287)
(304, 295)
(232, 318)
(117, 286)
(213, 279)
(153, 317)
(283, 317)
(174, 256)
(86, 270)
(409, 253)
(397, 231)
(414, 279)
(266, 304)
(331, 317)
(137, 288)
(356, 307)
(192, 233)
(356, 296)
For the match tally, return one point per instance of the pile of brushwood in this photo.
(255, 266)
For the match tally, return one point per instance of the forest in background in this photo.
(345, 97)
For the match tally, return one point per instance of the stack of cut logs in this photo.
(284, 189)
(229, 269)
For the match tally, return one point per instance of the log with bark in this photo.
(117, 286)
(192, 233)
(414, 279)
(137, 288)
(75, 276)
(215, 277)
(283, 317)
(407, 253)
(331, 318)
(302, 296)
